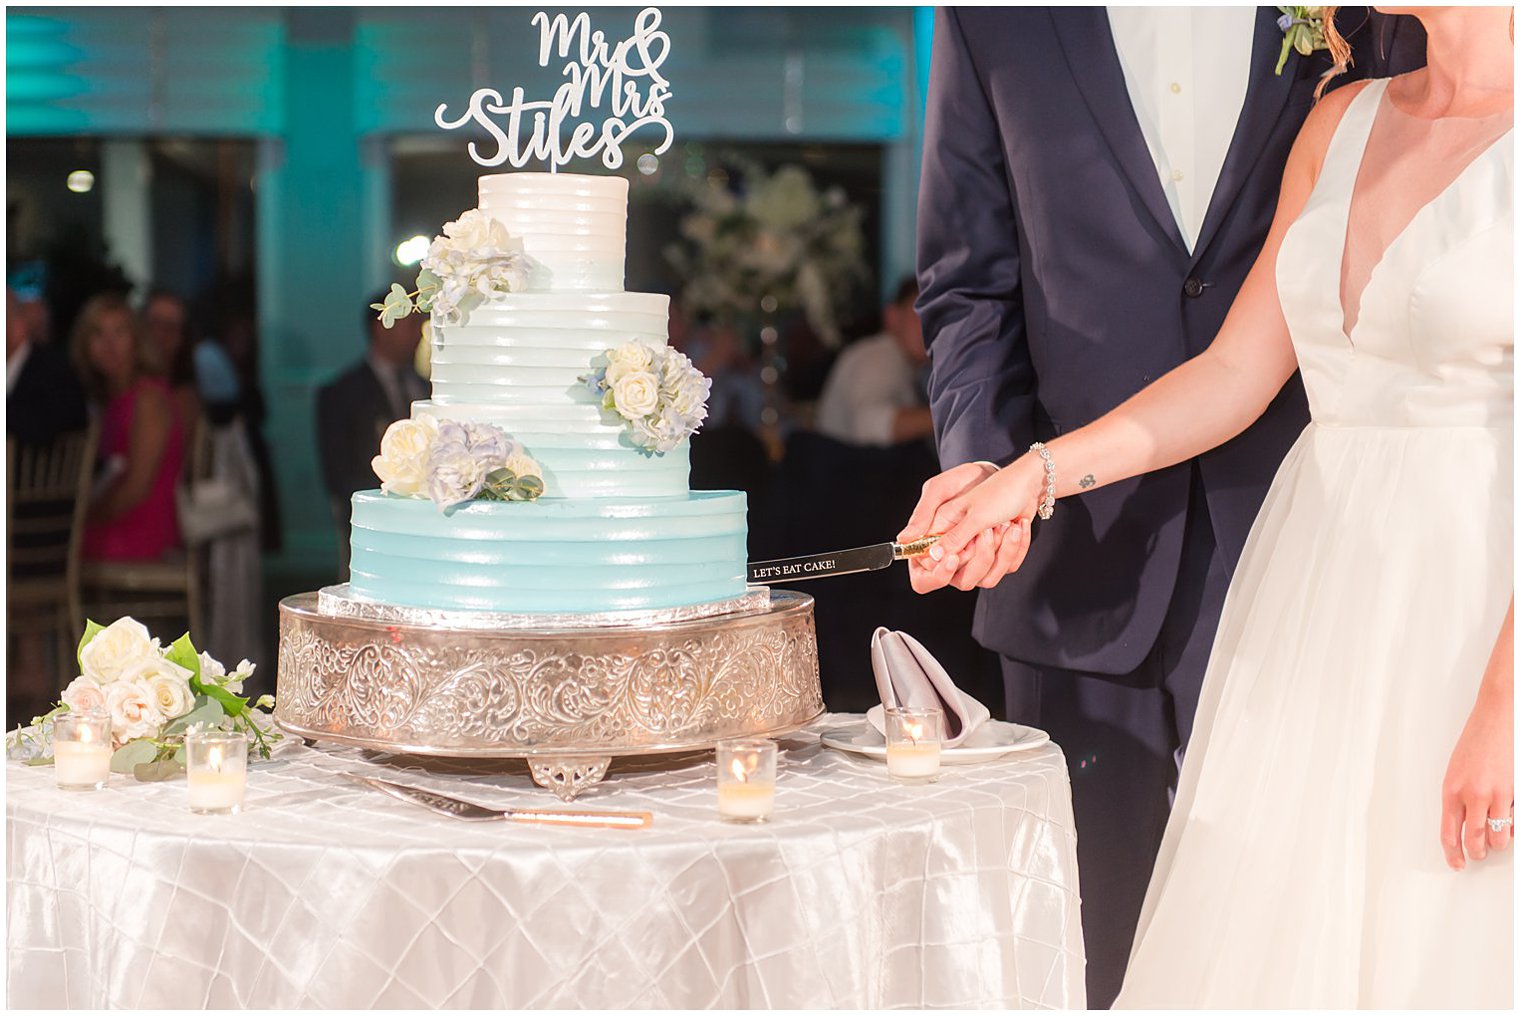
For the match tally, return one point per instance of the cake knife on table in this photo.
(839, 562)
(472, 812)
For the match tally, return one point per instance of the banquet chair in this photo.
(164, 589)
(46, 498)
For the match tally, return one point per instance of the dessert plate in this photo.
(994, 740)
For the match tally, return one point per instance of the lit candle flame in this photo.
(915, 732)
(214, 758)
(86, 735)
(740, 771)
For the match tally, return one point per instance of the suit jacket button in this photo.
(1193, 287)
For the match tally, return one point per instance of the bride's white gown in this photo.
(1302, 865)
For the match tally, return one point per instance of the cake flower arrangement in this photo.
(473, 259)
(451, 463)
(155, 694)
(660, 396)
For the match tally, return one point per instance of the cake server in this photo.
(471, 812)
(839, 562)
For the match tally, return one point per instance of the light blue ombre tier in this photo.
(550, 556)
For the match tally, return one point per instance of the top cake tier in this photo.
(575, 227)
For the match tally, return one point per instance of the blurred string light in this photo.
(649, 164)
(81, 181)
(411, 251)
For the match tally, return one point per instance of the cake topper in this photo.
(625, 79)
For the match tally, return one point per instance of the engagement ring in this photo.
(1498, 825)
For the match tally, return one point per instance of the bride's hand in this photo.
(1479, 785)
(984, 520)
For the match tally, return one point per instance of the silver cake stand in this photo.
(566, 699)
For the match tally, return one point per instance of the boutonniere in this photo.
(1303, 29)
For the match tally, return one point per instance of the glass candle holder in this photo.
(216, 766)
(913, 740)
(82, 750)
(746, 780)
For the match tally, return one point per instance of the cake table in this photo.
(861, 893)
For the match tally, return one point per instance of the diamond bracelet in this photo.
(1048, 502)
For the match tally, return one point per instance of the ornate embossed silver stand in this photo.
(568, 700)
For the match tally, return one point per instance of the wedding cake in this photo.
(548, 473)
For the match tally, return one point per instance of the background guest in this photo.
(165, 319)
(875, 392)
(142, 438)
(43, 395)
(355, 408)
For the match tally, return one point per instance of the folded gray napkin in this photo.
(907, 674)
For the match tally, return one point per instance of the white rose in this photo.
(116, 649)
(84, 695)
(170, 694)
(133, 712)
(167, 685)
(636, 395)
(631, 354)
(402, 462)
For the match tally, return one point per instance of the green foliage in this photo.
(132, 754)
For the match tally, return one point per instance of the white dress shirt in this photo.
(1187, 69)
(872, 381)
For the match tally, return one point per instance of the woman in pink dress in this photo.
(142, 442)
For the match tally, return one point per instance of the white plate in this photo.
(994, 740)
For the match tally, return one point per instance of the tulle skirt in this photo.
(1302, 865)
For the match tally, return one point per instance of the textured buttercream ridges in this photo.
(573, 225)
(548, 555)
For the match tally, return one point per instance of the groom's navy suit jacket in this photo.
(1055, 284)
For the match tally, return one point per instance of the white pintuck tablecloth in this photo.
(861, 893)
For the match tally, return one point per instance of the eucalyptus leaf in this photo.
(132, 754)
(91, 629)
(179, 755)
(45, 760)
(157, 772)
(207, 710)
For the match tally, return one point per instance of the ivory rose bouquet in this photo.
(452, 462)
(660, 396)
(154, 694)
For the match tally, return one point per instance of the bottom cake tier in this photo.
(566, 700)
(552, 556)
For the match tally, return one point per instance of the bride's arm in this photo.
(1199, 405)
(1480, 779)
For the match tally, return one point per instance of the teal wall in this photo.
(325, 89)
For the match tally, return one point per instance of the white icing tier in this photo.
(517, 363)
(574, 226)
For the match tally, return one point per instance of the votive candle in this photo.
(82, 750)
(746, 780)
(913, 743)
(216, 766)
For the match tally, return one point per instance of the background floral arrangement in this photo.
(474, 258)
(659, 395)
(154, 694)
(452, 463)
(779, 238)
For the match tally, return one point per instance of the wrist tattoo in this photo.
(1087, 481)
